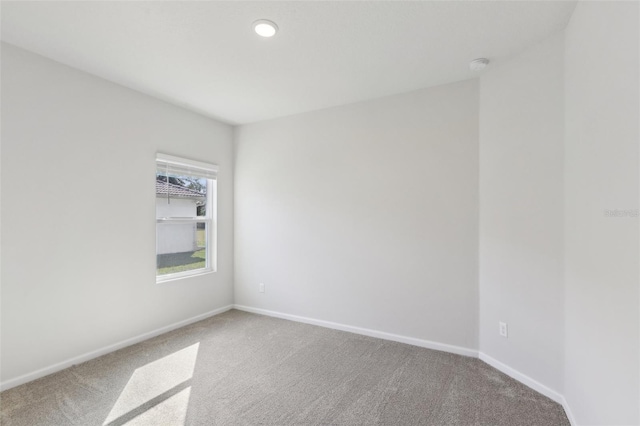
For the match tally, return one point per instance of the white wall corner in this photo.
(523, 378)
(568, 412)
(532, 383)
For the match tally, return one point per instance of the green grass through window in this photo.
(181, 262)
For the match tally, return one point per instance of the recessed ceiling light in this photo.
(478, 64)
(265, 28)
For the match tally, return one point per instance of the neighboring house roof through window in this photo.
(176, 191)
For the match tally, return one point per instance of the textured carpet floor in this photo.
(244, 369)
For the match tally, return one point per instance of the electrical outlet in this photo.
(504, 331)
(261, 288)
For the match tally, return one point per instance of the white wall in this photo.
(79, 274)
(365, 215)
(602, 258)
(521, 204)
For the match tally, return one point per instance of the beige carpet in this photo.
(244, 369)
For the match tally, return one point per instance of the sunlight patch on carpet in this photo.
(157, 393)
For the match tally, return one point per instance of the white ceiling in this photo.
(204, 55)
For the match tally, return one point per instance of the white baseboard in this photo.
(532, 383)
(522, 378)
(364, 331)
(7, 384)
(567, 410)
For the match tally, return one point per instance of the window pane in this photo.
(180, 196)
(181, 247)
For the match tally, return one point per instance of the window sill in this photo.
(182, 275)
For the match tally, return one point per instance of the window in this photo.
(185, 217)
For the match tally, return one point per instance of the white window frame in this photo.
(201, 170)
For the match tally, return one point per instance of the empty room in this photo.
(320, 213)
